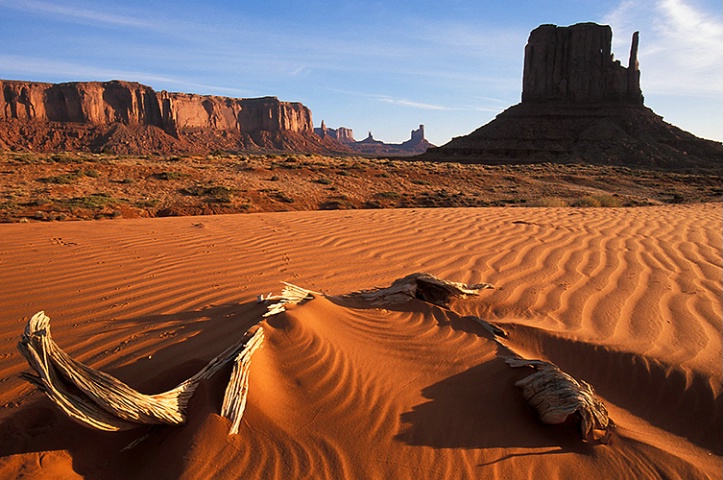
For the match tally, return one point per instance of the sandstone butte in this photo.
(127, 117)
(416, 144)
(579, 104)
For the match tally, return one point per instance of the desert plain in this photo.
(627, 298)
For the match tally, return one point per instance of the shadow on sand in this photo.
(39, 427)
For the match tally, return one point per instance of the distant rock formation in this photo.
(580, 105)
(127, 117)
(341, 134)
(370, 146)
(370, 140)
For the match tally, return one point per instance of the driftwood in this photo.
(556, 395)
(103, 401)
(234, 400)
(421, 286)
(290, 294)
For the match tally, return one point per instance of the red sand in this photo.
(627, 299)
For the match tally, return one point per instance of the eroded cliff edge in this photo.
(128, 117)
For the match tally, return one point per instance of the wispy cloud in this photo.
(681, 46)
(72, 13)
(30, 68)
(409, 103)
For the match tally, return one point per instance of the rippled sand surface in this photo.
(627, 299)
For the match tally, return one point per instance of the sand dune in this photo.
(627, 299)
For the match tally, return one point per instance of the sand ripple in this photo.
(627, 299)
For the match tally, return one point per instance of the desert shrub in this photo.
(370, 204)
(127, 181)
(587, 201)
(336, 205)
(323, 181)
(63, 178)
(548, 202)
(193, 191)
(282, 197)
(26, 158)
(63, 158)
(39, 202)
(290, 163)
(215, 193)
(8, 205)
(92, 173)
(601, 200)
(676, 198)
(170, 175)
(220, 194)
(94, 200)
(388, 195)
(420, 182)
(147, 203)
(609, 200)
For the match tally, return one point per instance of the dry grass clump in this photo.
(598, 201)
(548, 202)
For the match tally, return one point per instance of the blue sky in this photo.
(387, 67)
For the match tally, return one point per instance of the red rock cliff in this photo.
(132, 103)
(130, 118)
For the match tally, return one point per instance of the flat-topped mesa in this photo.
(130, 118)
(80, 102)
(130, 103)
(575, 65)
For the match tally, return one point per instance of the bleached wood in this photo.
(422, 286)
(105, 402)
(556, 395)
(291, 294)
(234, 401)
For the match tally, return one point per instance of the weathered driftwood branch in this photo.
(104, 402)
(290, 294)
(421, 286)
(234, 400)
(556, 395)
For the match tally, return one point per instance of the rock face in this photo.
(575, 64)
(96, 112)
(580, 105)
(370, 146)
(342, 135)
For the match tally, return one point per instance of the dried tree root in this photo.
(234, 400)
(104, 402)
(556, 396)
(421, 286)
